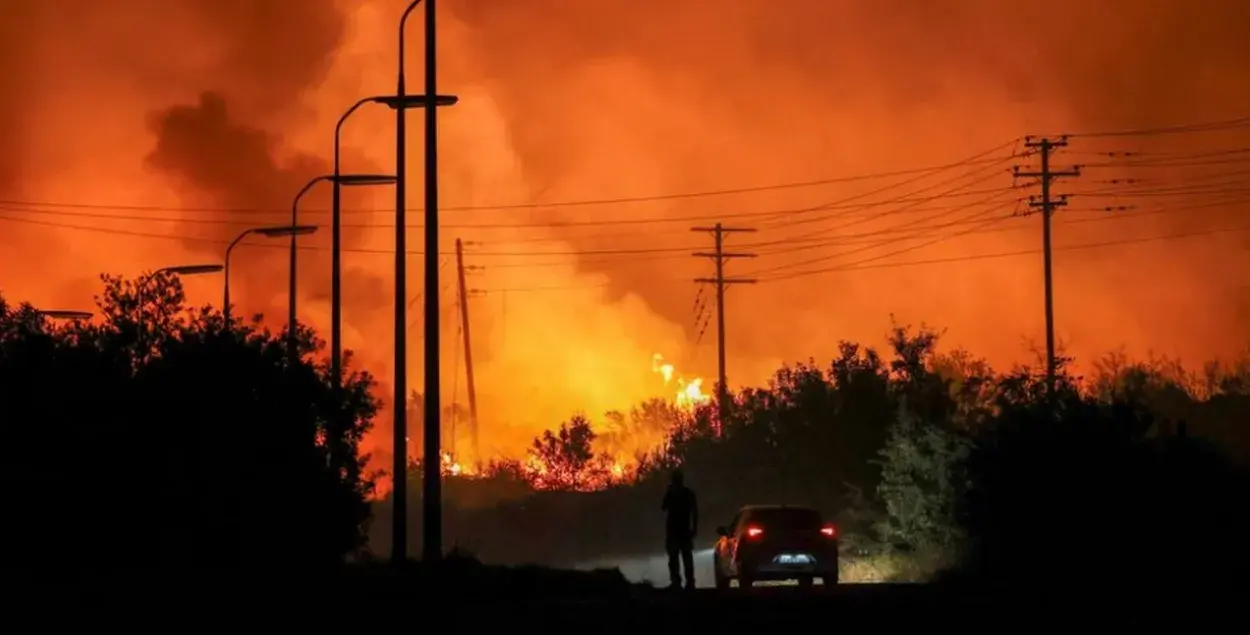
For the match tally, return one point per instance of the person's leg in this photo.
(687, 561)
(671, 546)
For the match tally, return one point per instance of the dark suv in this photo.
(776, 542)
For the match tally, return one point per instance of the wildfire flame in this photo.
(598, 477)
(606, 469)
(689, 393)
(450, 466)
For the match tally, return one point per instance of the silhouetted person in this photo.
(680, 527)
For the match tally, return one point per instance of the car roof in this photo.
(763, 508)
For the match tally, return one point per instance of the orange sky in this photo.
(164, 114)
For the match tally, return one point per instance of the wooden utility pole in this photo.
(719, 256)
(468, 350)
(1047, 204)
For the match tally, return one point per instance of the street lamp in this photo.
(176, 270)
(349, 180)
(54, 314)
(268, 232)
(432, 499)
(189, 270)
(336, 225)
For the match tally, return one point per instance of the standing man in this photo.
(680, 527)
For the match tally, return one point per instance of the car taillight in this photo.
(828, 530)
(754, 532)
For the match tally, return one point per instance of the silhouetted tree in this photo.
(162, 436)
(566, 459)
(923, 480)
(938, 453)
(1063, 487)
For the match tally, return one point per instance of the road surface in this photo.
(654, 568)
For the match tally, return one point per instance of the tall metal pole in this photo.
(474, 436)
(722, 383)
(1047, 205)
(336, 267)
(1048, 283)
(292, 348)
(399, 448)
(719, 281)
(291, 345)
(225, 300)
(432, 541)
(336, 250)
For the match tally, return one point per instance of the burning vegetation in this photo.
(580, 455)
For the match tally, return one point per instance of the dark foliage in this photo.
(810, 437)
(1091, 492)
(161, 436)
(928, 456)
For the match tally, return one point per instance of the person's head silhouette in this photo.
(677, 478)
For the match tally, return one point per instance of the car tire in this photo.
(830, 580)
(722, 582)
(806, 582)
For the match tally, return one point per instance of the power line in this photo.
(535, 226)
(121, 232)
(552, 204)
(905, 198)
(978, 158)
(904, 233)
(858, 266)
(633, 255)
(1012, 254)
(1166, 158)
(878, 244)
(772, 212)
(862, 265)
(980, 225)
(1213, 126)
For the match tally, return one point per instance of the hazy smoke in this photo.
(218, 104)
(231, 166)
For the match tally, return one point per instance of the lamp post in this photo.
(432, 499)
(338, 179)
(55, 314)
(336, 227)
(268, 232)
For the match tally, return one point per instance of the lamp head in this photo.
(413, 102)
(286, 230)
(192, 270)
(357, 180)
(66, 315)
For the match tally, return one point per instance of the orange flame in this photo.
(452, 467)
(689, 393)
(607, 468)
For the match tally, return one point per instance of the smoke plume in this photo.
(217, 105)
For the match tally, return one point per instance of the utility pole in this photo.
(719, 256)
(468, 350)
(1047, 204)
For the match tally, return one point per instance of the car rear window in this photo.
(787, 519)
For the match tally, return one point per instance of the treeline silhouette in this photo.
(157, 435)
(934, 464)
(160, 436)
